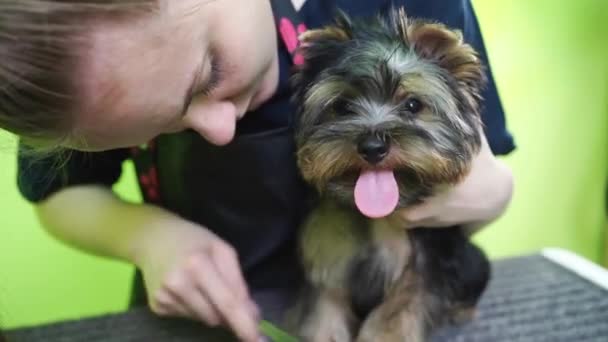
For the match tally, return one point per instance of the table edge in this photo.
(577, 264)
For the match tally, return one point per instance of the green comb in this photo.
(275, 334)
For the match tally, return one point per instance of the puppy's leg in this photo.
(454, 269)
(476, 272)
(325, 317)
(401, 317)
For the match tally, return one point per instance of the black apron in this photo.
(249, 192)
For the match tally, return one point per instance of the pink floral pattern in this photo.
(289, 34)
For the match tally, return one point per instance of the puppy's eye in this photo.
(413, 105)
(342, 109)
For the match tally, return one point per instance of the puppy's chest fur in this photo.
(357, 257)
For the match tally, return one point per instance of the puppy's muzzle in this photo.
(373, 148)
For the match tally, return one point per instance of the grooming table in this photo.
(551, 296)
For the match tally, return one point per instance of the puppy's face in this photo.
(388, 110)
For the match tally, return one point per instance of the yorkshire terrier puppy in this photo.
(388, 116)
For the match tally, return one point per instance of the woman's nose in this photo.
(242, 103)
(214, 121)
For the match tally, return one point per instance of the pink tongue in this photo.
(376, 193)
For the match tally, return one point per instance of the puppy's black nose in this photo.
(373, 149)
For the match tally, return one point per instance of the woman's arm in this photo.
(188, 270)
(479, 199)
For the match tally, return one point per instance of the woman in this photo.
(203, 84)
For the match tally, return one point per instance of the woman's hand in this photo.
(480, 198)
(190, 272)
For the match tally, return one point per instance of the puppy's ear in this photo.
(319, 49)
(340, 31)
(446, 48)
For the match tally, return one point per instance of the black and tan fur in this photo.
(414, 87)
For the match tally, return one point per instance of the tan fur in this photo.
(438, 43)
(328, 245)
(403, 24)
(331, 32)
(395, 250)
(463, 315)
(321, 162)
(400, 317)
(432, 167)
(332, 322)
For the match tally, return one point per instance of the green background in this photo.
(550, 59)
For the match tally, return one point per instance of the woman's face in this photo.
(196, 64)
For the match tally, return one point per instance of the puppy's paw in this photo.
(463, 315)
(338, 333)
(329, 321)
(390, 326)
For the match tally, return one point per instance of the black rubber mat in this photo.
(529, 299)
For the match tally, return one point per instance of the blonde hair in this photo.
(42, 43)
